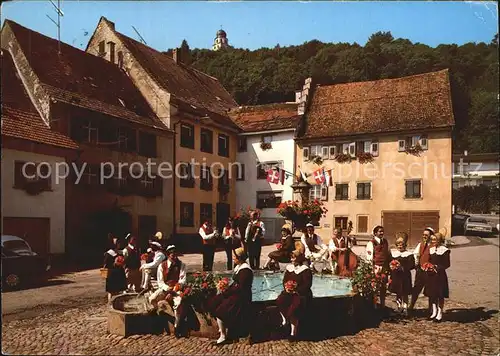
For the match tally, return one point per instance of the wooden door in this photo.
(36, 232)
(419, 221)
(396, 221)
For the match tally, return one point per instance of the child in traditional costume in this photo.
(132, 264)
(232, 305)
(116, 281)
(401, 265)
(297, 294)
(436, 284)
(377, 252)
(284, 248)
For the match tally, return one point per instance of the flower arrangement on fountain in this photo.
(365, 281)
(300, 214)
(290, 286)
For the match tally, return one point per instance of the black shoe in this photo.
(292, 338)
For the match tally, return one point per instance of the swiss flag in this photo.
(319, 177)
(273, 176)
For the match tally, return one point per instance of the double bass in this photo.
(347, 261)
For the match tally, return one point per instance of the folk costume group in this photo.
(232, 306)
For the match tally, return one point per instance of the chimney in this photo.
(176, 55)
(304, 96)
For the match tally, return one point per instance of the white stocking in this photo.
(176, 314)
(284, 319)
(293, 329)
(222, 331)
(439, 313)
(434, 310)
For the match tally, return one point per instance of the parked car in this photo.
(21, 266)
(478, 226)
(458, 224)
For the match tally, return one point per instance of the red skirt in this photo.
(292, 306)
(231, 309)
(436, 285)
(400, 283)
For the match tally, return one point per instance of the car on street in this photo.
(458, 224)
(478, 226)
(21, 266)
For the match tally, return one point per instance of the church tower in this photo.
(220, 40)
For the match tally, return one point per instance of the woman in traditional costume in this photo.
(232, 304)
(400, 267)
(284, 249)
(297, 294)
(116, 280)
(436, 286)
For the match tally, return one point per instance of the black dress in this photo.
(283, 254)
(116, 280)
(233, 305)
(436, 284)
(401, 279)
(294, 305)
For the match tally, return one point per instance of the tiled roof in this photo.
(20, 119)
(183, 82)
(417, 102)
(84, 80)
(266, 117)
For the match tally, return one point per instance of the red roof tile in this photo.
(266, 117)
(183, 82)
(20, 119)
(416, 102)
(81, 79)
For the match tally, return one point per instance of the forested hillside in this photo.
(272, 75)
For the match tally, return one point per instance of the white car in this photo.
(478, 226)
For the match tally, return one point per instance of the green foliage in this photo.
(364, 280)
(478, 199)
(270, 75)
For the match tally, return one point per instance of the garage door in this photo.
(411, 222)
(36, 231)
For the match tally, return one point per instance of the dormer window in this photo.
(111, 46)
(120, 59)
(102, 48)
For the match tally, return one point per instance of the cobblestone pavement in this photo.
(83, 332)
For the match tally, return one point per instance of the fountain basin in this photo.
(333, 299)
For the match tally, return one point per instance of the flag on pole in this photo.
(273, 176)
(319, 176)
(282, 177)
(303, 175)
(327, 177)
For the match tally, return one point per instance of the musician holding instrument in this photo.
(254, 235)
(315, 249)
(343, 260)
(208, 236)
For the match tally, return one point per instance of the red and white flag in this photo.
(319, 177)
(273, 176)
(328, 177)
(282, 176)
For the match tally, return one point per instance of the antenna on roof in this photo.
(140, 37)
(58, 23)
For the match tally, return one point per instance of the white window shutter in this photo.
(333, 151)
(367, 148)
(345, 148)
(374, 148)
(324, 152)
(401, 145)
(352, 149)
(324, 192)
(305, 152)
(423, 142)
(415, 140)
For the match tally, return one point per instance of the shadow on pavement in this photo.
(49, 283)
(471, 315)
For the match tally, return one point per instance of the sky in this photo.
(256, 24)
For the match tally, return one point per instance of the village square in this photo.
(194, 196)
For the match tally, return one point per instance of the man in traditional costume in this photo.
(171, 277)
(421, 254)
(315, 249)
(377, 252)
(232, 240)
(340, 245)
(254, 234)
(148, 268)
(209, 240)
